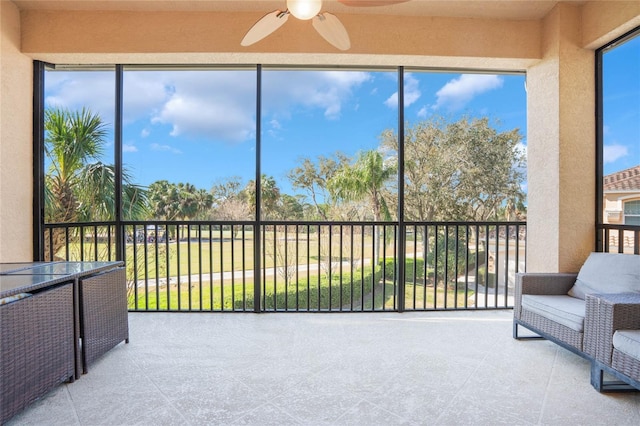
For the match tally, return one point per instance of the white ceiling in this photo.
(500, 9)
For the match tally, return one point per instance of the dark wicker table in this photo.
(42, 340)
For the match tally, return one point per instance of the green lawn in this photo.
(316, 293)
(355, 292)
(204, 256)
(210, 256)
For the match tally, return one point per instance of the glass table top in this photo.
(11, 284)
(17, 266)
(21, 277)
(61, 268)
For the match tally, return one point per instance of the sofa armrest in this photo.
(541, 283)
(606, 313)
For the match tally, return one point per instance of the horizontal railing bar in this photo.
(303, 223)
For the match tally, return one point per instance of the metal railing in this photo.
(618, 238)
(304, 266)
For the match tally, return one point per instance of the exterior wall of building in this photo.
(614, 205)
(557, 53)
(15, 140)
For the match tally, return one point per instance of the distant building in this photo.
(621, 197)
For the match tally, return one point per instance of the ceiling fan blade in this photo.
(332, 30)
(265, 26)
(371, 2)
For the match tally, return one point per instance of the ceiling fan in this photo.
(326, 24)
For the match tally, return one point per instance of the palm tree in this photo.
(72, 139)
(204, 202)
(78, 187)
(365, 180)
(270, 196)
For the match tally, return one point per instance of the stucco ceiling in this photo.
(501, 9)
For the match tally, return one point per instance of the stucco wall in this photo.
(15, 141)
(561, 147)
(603, 21)
(206, 35)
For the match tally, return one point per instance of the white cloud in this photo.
(217, 105)
(74, 90)
(458, 92)
(213, 104)
(392, 101)
(327, 90)
(275, 124)
(614, 152)
(423, 112)
(195, 116)
(144, 93)
(129, 148)
(165, 148)
(411, 93)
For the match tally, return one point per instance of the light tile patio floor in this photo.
(440, 368)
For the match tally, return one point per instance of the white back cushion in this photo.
(608, 273)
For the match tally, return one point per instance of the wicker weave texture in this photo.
(591, 327)
(559, 331)
(37, 347)
(626, 364)
(615, 312)
(103, 318)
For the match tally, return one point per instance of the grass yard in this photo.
(205, 255)
(317, 293)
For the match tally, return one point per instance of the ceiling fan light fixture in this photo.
(304, 9)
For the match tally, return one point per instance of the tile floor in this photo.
(434, 368)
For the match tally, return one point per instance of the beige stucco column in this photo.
(16, 187)
(561, 147)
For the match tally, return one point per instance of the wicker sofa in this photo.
(594, 313)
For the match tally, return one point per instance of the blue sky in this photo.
(621, 69)
(198, 126)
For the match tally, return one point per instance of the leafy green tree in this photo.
(164, 199)
(291, 208)
(225, 190)
(229, 201)
(270, 196)
(187, 201)
(461, 171)
(78, 187)
(313, 177)
(465, 170)
(97, 198)
(203, 201)
(182, 201)
(367, 179)
(72, 139)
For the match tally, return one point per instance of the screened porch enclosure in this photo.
(341, 195)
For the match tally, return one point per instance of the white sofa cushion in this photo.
(566, 310)
(627, 342)
(607, 273)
